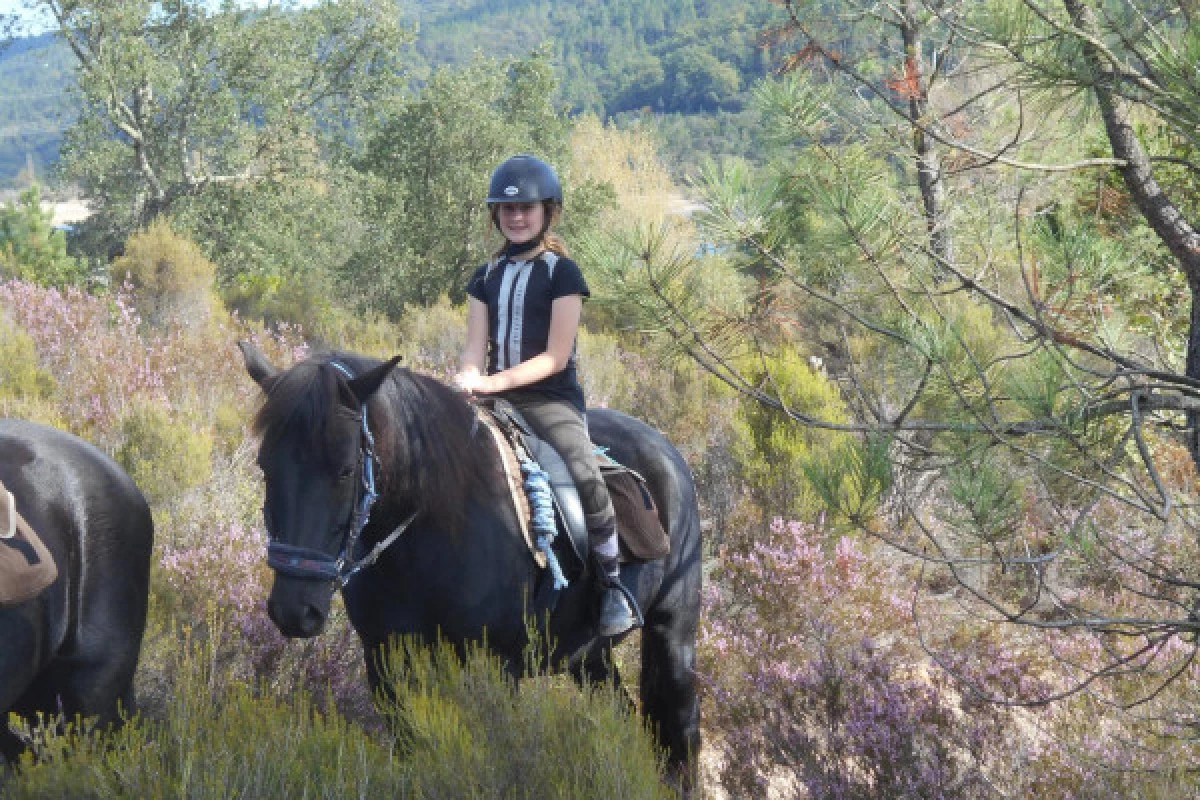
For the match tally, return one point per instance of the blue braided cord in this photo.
(541, 504)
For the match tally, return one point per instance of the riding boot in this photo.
(617, 607)
(26, 566)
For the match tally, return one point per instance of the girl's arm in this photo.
(564, 326)
(475, 352)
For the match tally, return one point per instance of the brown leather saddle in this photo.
(639, 527)
(26, 566)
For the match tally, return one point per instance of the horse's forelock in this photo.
(300, 400)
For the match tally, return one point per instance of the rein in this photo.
(304, 562)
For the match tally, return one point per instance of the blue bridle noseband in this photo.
(304, 562)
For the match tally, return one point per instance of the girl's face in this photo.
(520, 222)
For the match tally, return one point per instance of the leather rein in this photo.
(304, 562)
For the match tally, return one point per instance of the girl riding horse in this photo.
(522, 321)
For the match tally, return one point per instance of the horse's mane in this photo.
(423, 430)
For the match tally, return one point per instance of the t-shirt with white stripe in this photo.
(519, 296)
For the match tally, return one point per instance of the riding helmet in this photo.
(524, 179)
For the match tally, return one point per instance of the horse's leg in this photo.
(91, 676)
(668, 691)
(597, 667)
(19, 660)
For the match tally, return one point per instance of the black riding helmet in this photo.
(524, 179)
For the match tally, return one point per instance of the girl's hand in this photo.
(474, 383)
(467, 380)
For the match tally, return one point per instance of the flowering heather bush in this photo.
(1130, 734)
(95, 349)
(227, 572)
(808, 682)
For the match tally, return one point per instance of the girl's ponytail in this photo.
(552, 240)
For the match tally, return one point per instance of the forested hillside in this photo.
(674, 56)
(35, 109)
(689, 63)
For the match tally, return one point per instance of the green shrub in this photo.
(163, 456)
(31, 249)
(773, 451)
(469, 732)
(301, 300)
(27, 390)
(21, 376)
(216, 740)
(171, 278)
(431, 338)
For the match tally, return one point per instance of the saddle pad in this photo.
(516, 483)
(639, 529)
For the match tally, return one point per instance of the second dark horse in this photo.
(73, 648)
(461, 569)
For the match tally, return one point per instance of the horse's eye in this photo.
(346, 473)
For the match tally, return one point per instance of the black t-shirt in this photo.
(519, 296)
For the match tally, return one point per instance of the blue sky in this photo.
(18, 7)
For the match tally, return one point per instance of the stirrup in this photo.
(619, 611)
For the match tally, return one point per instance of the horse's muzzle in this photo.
(299, 614)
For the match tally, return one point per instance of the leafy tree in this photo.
(699, 80)
(427, 171)
(31, 248)
(181, 103)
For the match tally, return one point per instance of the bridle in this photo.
(304, 562)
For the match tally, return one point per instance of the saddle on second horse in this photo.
(26, 566)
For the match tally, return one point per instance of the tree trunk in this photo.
(1163, 216)
(929, 167)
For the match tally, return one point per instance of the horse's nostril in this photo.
(295, 622)
(314, 621)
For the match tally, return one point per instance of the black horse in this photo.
(460, 568)
(73, 648)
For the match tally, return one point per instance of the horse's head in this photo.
(317, 459)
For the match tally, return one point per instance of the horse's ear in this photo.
(261, 370)
(369, 382)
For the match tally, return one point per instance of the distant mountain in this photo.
(690, 60)
(35, 107)
(683, 56)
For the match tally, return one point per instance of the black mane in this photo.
(423, 430)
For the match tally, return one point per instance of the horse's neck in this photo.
(437, 472)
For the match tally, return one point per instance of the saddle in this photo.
(640, 531)
(26, 566)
